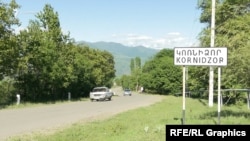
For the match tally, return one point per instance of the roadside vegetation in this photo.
(38, 104)
(159, 75)
(42, 64)
(146, 123)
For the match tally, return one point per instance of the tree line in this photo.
(42, 64)
(159, 75)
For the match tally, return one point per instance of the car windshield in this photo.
(127, 90)
(100, 90)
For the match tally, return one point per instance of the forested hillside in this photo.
(122, 54)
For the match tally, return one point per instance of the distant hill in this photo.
(122, 54)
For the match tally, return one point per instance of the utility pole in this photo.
(211, 69)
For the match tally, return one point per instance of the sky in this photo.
(151, 23)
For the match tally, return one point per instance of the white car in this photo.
(100, 94)
(127, 92)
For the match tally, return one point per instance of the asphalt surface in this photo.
(50, 117)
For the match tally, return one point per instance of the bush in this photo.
(7, 91)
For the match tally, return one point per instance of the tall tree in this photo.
(132, 64)
(46, 62)
(232, 31)
(8, 42)
(50, 22)
(138, 62)
(159, 75)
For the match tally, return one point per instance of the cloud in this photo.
(170, 40)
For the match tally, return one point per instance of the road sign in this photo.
(200, 56)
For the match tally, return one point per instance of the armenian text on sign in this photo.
(200, 56)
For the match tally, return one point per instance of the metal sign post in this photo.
(248, 98)
(219, 94)
(211, 69)
(200, 56)
(183, 95)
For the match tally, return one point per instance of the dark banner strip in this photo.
(215, 132)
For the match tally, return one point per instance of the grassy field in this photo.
(28, 104)
(147, 123)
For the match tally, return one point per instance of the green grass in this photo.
(29, 104)
(146, 123)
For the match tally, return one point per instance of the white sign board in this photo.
(200, 56)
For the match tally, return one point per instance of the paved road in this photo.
(20, 121)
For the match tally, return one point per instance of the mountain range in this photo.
(122, 54)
